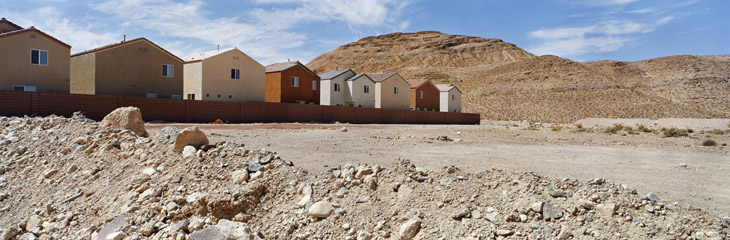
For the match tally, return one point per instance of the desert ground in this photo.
(647, 162)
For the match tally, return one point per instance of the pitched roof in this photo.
(3, 20)
(446, 87)
(119, 44)
(415, 83)
(379, 77)
(206, 55)
(333, 74)
(358, 76)
(278, 67)
(33, 29)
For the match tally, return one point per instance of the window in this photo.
(219, 96)
(314, 85)
(168, 70)
(395, 90)
(337, 87)
(152, 95)
(366, 89)
(191, 96)
(176, 97)
(207, 95)
(420, 94)
(452, 97)
(295, 81)
(18, 88)
(39, 57)
(230, 96)
(22, 88)
(235, 73)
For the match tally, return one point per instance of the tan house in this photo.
(449, 98)
(391, 91)
(224, 75)
(361, 91)
(31, 60)
(137, 68)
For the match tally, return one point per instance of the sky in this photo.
(273, 31)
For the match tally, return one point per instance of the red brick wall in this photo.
(176, 110)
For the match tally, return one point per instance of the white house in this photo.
(361, 89)
(449, 98)
(333, 90)
(224, 75)
(391, 91)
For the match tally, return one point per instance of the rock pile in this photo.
(67, 179)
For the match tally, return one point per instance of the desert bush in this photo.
(717, 132)
(674, 132)
(556, 128)
(709, 143)
(689, 130)
(613, 130)
(642, 128)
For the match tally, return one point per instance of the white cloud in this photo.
(271, 35)
(605, 36)
(53, 22)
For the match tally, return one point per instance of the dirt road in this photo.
(647, 162)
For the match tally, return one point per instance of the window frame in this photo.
(170, 69)
(366, 89)
(395, 90)
(235, 74)
(420, 94)
(337, 87)
(40, 51)
(314, 85)
(294, 81)
(151, 95)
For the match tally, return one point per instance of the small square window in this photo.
(420, 94)
(395, 90)
(191, 96)
(207, 95)
(235, 73)
(168, 70)
(230, 96)
(219, 96)
(366, 89)
(314, 85)
(453, 97)
(39, 57)
(295, 81)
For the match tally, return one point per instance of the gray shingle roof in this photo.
(446, 87)
(379, 77)
(278, 67)
(358, 76)
(332, 74)
(206, 55)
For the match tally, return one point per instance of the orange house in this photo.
(424, 95)
(291, 82)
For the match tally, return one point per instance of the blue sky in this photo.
(276, 30)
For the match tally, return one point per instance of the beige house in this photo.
(224, 75)
(391, 91)
(449, 98)
(137, 68)
(31, 60)
(334, 91)
(361, 90)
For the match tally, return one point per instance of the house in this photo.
(391, 91)
(361, 89)
(224, 75)
(31, 60)
(333, 90)
(291, 82)
(449, 98)
(424, 95)
(136, 67)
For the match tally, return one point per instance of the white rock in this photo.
(188, 151)
(149, 171)
(33, 223)
(607, 209)
(409, 229)
(116, 236)
(321, 209)
(239, 176)
(303, 202)
(191, 136)
(234, 230)
(537, 207)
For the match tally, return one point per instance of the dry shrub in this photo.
(556, 128)
(218, 121)
(717, 132)
(613, 130)
(709, 143)
(642, 128)
(674, 132)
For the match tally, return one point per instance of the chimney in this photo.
(288, 59)
(219, 47)
(125, 38)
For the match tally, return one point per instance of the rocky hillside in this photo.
(503, 82)
(77, 179)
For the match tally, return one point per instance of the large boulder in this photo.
(191, 136)
(127, 118)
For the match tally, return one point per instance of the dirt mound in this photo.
(503, 82)
(70, 179)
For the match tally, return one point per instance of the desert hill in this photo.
(504, 82)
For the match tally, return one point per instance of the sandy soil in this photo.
(647, 162)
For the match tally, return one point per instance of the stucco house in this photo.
(31, 60)
(333, 90)
(361, 89)
(449, 98)
(136, 67)
(391, 91)
(291, 82)
(423, 95)
(224, 75)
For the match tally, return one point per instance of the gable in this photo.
(126, 45)
(35, 33)
(8, 26)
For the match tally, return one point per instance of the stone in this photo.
(564, 233)
(683, 165)
(476, 214)
(458, 214)
(126, 118)
(239, 176)
(556, 192)
(8, 233)
(195, 224)
(504, 232)
(587, 204)
(149, 171)
(180, 226)
(653, 197)
(167, 135)
(537, 207)
(255, 167)
(362, 199)
(303, 202)
(321, 209)
(115, 225)
(341, 192)
(234, 230)
(81, 140)
(371, 181)
(551, 212)
(191, 136)
(409, 229)
(33, 223)
(607, 209)
(48, 173)
(26, 236)
(208, 233)
(343, 129)
(115, 236)
(188, 151)
(364, 235)
(147, 229)
(492, 216)
(256, 175)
